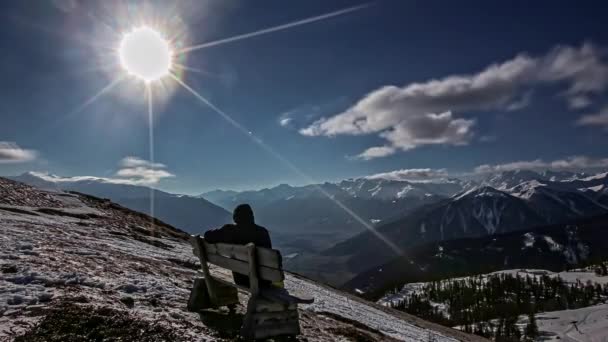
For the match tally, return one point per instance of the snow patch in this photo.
(553, 246)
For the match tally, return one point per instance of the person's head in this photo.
(243, 214)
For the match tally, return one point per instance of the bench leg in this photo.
(199, 297)
(266, 319)
(248, 328)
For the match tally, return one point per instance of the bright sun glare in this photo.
(145, 54)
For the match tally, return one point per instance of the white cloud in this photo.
(141, 171)
(133, 171)
(129, 162)
(582, 67)
(10, 152)
(518, 165)
(598, 119)
(411, 174)
(570, 163)
(424, 113)
(285, 122)
(58, 179)
(376, 152)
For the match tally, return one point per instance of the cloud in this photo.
(579, 102)
(58, 179)
(582, 67)
(285, 122)
(133, 171)
(10, 152)
(424, 113)
(141, 171)
(303, 115)
(376, 152)
(129, 162)
(523, 102)
(570, 163)
(411, 174)
(297, 116)
(599, 119)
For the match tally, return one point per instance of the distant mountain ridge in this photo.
(364, 188)
(191, 214)
(554, 247)
(527, 199)
(313, 217)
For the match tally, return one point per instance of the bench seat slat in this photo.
(265, 256)
(242, 267)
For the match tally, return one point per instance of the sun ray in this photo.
(274, 28)
(289, 164)
(85, 104)
(196, 70)
(151, 147)
(97, 95)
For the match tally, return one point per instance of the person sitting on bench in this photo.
(244, 231)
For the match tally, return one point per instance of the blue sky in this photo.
(395, 85)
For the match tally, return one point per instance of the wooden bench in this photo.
(271, 311)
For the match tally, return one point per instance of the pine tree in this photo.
(531, 330)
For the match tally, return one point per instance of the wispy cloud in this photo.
(424, 113)
(411, 174)
(132, 171)
(304, 115)
(574, 163)
(598, 119)
(285, 122)
(10, 152)
(131, 162)
(141, 171)
(376, 152)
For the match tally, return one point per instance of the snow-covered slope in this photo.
(57, 247)
(588, 324)
(581, 325)
(558, 204)
(571, 277)
(477, 212)
(508, 179)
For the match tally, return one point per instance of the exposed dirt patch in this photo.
(75, 323)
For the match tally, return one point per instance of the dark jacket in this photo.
(241, 235)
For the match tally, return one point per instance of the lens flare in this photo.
(145, 54)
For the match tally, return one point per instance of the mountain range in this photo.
(477, 213)
(324, 229)
(191, 214)
(554, 247)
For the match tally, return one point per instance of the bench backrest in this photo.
(237, 259)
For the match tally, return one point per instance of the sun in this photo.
(145, 54)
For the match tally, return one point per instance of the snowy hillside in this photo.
(586, 324)
(557, 203)
(68, 250)
(571, 277)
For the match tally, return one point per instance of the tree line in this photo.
(490, 305)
